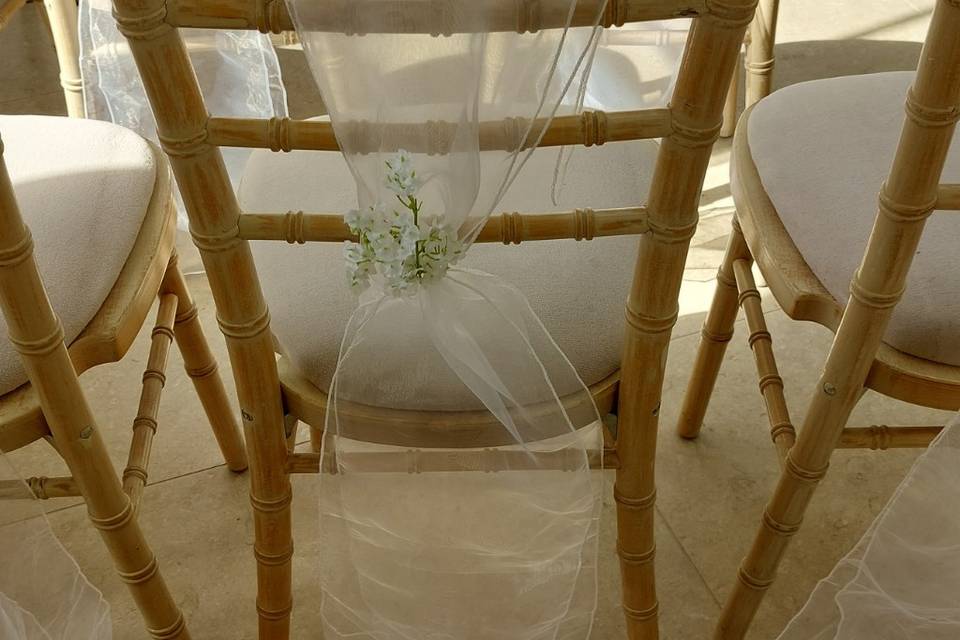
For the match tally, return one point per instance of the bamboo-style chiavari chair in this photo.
(48, 402)
(273, 400)
(906, 350)
(758, 64)
(61, 16)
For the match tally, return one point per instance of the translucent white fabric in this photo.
(902, 580)
(635, 65)
(483, 526)
(43, 594)
(238, 72)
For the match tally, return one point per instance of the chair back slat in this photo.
(587, 129)
(297, 227)
(436, 17)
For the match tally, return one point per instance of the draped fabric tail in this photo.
(238, 72)
(902, 579)
(465, 508)
(43, 594)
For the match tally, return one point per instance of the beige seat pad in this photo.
(83, 187)
(823, 149)
(578, 289)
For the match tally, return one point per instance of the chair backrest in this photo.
(191, 137)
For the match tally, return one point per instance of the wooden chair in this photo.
(51, 405)
(758, 66)
(61, 16)
(807, 161)
(274, 400)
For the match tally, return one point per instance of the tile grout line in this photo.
(689, 558)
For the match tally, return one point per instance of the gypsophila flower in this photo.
(401, 176)
(403, 246)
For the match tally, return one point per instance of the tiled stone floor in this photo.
(711, 491)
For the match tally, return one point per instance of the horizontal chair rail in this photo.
(588, 129)
(880, 437)
(438, 17)
(509, 228)
(42, 487)
(427, 461)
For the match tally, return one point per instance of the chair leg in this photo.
(803, 469)
(290, 428)
(716, 333)
(316, 438)
(62, 16)
(839, 389)
(730, 106)
(202, 369)
(760, 58)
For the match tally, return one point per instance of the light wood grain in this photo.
(590, 128)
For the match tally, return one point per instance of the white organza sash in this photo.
(902, 580)
(43, 594)
(238, 73)
(482, 525)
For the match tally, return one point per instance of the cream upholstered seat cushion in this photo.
(83, 187)
(822, 150)
(578, 289)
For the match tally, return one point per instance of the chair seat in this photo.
(822, 149)
(83, 188)
(578, 289)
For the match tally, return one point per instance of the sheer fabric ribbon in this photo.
(481, 525)
(238, 72)
(43, 594)
(902, 580)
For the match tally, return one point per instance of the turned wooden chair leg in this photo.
(62, 16)
(730, 105)
(202, 369)
(316, 438)
(653, 307)
(37, 335)
(760, 59)
(716, 333)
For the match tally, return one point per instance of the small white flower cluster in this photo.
(403, 246)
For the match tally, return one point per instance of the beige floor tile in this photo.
(29, 59)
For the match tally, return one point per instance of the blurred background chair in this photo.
(806, 164)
